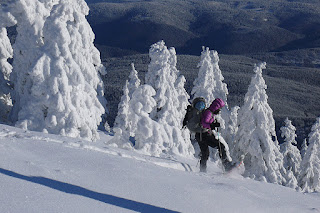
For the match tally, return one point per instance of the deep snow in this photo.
(49, 173)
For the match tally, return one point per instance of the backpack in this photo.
(192, 119)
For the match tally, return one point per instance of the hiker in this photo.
(192, 118)
(207, 138)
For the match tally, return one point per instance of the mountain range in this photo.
(228, 26)
(283, 33)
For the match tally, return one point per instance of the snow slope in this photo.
(49, 173)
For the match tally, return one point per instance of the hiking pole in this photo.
(219, 143)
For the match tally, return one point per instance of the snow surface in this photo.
(48, 173)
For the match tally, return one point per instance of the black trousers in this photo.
(206, 140)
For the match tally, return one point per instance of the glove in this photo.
(214, 125)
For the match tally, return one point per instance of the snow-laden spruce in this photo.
(121, 120)
(30, 16)
(183, 97)
(122, 124)
(290, 152)
(304, 148)
(209, 84)
(57, 84)
(220, 88)
(162, 78)
(5, 70)
(170, 98)
(134, 81)
(263, 160)
(231, 131)
(309, 179)
(151, 137)
(205, 84)
(6, 52)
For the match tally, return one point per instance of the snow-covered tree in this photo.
(160, 76)
(131, 85)
(304, 148)
(6, 52)
(209, 83)
(203, 85)
(122, 126)
(309, 179)
(183, 97)
(30, 16)
(174, 72)
(149, 139)
(232, 129)
(290, 152)
(152, 137)
(291, 180)
(134, 81)
(57, 85)
(263, 160)
(220, 88)
(121, 120)
(220, 91)
(163, 76)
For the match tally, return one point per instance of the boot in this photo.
(203, 166)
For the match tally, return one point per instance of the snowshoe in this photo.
(230, 166)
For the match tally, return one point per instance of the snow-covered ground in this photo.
(49, 173)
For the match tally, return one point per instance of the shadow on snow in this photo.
(78, 190)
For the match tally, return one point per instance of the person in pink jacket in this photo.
(206, 138)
